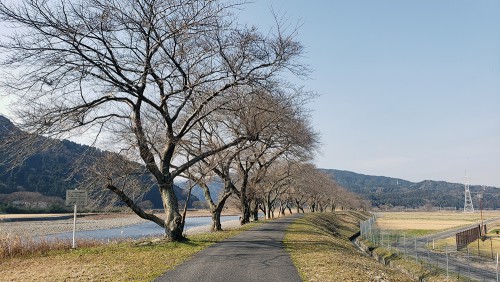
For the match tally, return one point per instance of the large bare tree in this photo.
(276, 119)
(281, 123)
(138, 74)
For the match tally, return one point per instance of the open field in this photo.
(424, 223)
(427, 222)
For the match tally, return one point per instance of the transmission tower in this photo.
(468, 207)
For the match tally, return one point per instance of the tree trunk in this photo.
(245, 211)
(216, 225)
(216, 213)
(245, 205)
(263, 209)
(268, 213)
(173, 219)
(255, 211)
(268, 207)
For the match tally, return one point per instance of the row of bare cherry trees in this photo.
(176, 85)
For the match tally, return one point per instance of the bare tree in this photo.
(207, 171)
(276, 118)
(137, 74)
(316, 190)
(283, 133)
(300, 185)
(128, 182)
(273, 186)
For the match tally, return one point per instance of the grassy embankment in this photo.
(321, 250)
(319, 245)
(124, 261)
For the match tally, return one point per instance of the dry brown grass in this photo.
(12, 246)
(437, 221)
(124, 261)
(430, 220)
(320, 248)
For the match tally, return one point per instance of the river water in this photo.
(146, 229)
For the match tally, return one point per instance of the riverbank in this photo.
(318, 243)
(130, 260)
(43, 225)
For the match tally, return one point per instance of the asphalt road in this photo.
(254, 255)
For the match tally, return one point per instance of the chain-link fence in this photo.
(469, 264)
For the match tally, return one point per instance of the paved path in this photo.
(254, 255)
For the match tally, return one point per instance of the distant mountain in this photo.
(387, 191)
(50, 172)
(214, 187)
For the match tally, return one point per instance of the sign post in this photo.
(76, 198)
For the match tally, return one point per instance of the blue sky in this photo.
(409, 88)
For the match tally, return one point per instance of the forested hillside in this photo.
(386, 192)
(40, 183)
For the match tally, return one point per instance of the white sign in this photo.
(76, 197)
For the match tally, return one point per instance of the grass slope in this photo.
(320, 248)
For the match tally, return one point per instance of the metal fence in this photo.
(468, 236)
(467, 264)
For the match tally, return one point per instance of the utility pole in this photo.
(480, 196)
(468, 207)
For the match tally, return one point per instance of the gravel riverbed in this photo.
(36, 228)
